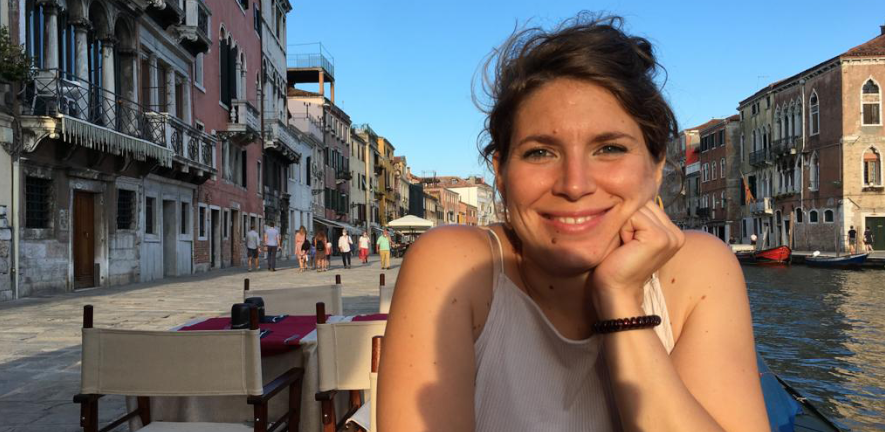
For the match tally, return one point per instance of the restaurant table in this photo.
(290, 342)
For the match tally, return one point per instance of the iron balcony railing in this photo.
(313, 60)
(759, 157)
(54, 92)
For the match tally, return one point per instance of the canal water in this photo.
(823, 331)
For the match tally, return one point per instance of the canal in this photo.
(823, 331)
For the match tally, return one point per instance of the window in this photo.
(722, 199)
(228, 71)
(179, 98)
(198, 70)
(722, 168)
(828, 216)
(812, 216)
(872, 168)
(260, 182)
(814, 173)
(799, 215)
(706, 172)
(37, 194)
(245, 225)
(225, 227)
(162, 102)
(202, 222)
(125, 209)
(872, 104)
(714, 170)
(185, 218)
(150, 215)
(814, 106)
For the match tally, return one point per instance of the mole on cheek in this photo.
(673, 281)
(553, 240)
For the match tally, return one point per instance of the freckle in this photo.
(703, 297)
(672, 281)
(553, 240)
(411, 335)
(454, 300)
(551, 287)
(434, 363)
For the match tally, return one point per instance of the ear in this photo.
(659, 173)
(499, 173)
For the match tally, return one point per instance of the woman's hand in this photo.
(648, 240)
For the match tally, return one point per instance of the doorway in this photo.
(84, 240)
(877, 225)
(170, 239)
(234, 236)
(215, 240)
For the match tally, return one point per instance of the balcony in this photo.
(244, 124)
(760, 157)
(703, 212)
(283, 140)
(87, 116)
(194, 33)
(785, 146)
(165, 12)
(762, 206)
(193, 151)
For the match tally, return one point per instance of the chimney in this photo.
(882, 30)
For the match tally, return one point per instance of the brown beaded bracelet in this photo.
(623, 324)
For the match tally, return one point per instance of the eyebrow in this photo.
(602, 137)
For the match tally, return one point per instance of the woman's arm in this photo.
(710, 380)
(426, 381)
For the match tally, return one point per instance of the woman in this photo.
(364, 248)
(513, 330)
(300, 239)
(319, 242)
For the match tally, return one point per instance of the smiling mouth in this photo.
(575, 221)
(572, 220)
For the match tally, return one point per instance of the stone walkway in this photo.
(40, 337)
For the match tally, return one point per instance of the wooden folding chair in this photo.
(345, 362)
(300, 300)
(168, 363)
(385, 296)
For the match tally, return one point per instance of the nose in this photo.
(575, 180)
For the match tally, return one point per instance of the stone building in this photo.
(373, 167)
(681, 154)
(719, 190)
(111, 155)
(359, 181)
(476, 192)
(820, 165)
(228, 106)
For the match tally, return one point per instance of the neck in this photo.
(569, 296)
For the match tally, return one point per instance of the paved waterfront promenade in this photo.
(40, 337)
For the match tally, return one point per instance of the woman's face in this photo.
(578, 168)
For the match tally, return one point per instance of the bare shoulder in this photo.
(704, 267)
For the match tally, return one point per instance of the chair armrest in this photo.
(326, 395)
(275, 386)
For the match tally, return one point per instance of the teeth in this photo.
(574, 221)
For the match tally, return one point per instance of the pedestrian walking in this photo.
(344, 243)
(301, 252)
(319, 242)
(364, 248)
(271, 243)
(852, 240)
(253, 242)
(868, 239)
(383, 249)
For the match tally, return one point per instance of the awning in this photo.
(95, 137)
(335, 224)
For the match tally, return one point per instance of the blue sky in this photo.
(405, 67)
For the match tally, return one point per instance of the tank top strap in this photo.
(497, 256)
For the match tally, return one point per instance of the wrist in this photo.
(619, 304)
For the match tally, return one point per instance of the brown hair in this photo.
(588, 47)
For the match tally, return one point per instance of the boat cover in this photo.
(782, 408)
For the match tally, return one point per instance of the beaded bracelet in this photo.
(622, 324)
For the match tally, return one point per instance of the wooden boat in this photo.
(847, 261)
(787, 409)
(778, 255)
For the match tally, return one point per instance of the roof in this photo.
(705, 125)
(873, 47)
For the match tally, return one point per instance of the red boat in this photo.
(778, 255)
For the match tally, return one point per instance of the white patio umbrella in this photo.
(410, 224)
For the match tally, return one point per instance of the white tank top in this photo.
(531, 378)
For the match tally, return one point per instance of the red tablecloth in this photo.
(284, 335)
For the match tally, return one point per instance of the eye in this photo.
(611, 149)
(537, 154)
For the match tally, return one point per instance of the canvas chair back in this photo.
(345, 354)
(373, 381)
(170, 363)
(299, 301)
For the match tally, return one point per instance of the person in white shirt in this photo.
(344, 243)
(253, 242)
(271, 242)
(364, 248)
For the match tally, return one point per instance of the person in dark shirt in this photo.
(852, 239)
